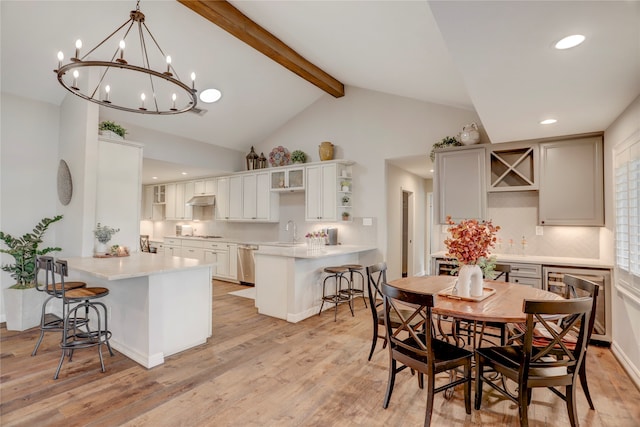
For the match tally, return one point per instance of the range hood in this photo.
(202, 201)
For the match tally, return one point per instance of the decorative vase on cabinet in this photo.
(326, 151)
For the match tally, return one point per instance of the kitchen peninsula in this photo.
(289, 279)
(157, 306)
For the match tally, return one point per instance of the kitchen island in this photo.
(289, 279)
(157, 306)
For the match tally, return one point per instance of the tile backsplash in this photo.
(517, 215)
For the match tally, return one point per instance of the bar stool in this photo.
(353, 291)
(54, 290)
(338, 297)
(72, 336)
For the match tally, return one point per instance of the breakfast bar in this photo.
(157, 306)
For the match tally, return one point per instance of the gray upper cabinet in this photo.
(459, 183)
(571, 182)
(512, 167)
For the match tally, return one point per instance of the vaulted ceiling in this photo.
(492, 56)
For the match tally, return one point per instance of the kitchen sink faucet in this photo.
(294, 237)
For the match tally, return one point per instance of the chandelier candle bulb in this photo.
(76, 74)
(142, 98)
(78, 47)
(122, 46)
(107, 89)
(60, 58)
(173, 98)
(168, 72)
(193, 81)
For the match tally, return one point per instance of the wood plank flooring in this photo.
(261, 371)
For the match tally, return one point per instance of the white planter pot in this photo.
(469, 281)
(23, 308)
(109, 134)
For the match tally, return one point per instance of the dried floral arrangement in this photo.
(470, 240)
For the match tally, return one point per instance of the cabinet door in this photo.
(222, 198)
(180, 200)
(459, 184)
(571, 182)
(223, 263)
(232, 257)
(263, 197)
(249, 196)
(147, 202)
(211, 256)
(320, 194)
(235, 197)
(171, 251)
(198, 187)
(170, 201)
(189, 191)
(210, 186)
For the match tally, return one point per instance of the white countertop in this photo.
(136, 265)
(301, 251)
(545, 260)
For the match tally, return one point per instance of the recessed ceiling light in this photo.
(184, 173)
(154, 177)
(431, 170)
(570, 41)
(210, 95)
(548, 121)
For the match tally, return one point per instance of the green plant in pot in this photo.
(22, 301)
(298, 156)
(447, 141)
(113, 127)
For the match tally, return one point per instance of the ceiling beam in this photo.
(230, 19)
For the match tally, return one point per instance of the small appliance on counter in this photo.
(184, 230)
(332, 236)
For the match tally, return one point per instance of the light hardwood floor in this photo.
(260, 371)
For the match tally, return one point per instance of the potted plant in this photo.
(103, 234)
(447, 141)
(107, 126)
(298, 156)
(23, 303)
(345, 185)
(345, 216)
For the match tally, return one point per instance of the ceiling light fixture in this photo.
(570, 41)
(548, 121)
(165, 92)
(210, 96)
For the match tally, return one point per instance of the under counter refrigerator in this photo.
(553, 277)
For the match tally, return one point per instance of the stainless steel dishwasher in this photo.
(246, 264)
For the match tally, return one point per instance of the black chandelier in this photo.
(159, 92)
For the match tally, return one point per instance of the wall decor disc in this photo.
(65, 185)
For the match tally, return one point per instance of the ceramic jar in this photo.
(326, 150)
(470, 134)
(470, 281)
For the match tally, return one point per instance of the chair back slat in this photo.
(46, 263)
(577, 287)
(376, 277)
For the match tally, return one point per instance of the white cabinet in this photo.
(172, 247)
(571, 182)
(225, 256)
(170, 201)
(259, 204)
(207, 186)
(189, 189)
(289, 179)
(192, 249)
(147, 202)
(175, 204)
(459, 184)
(159, 193)
(222, 198)
(235, 197)
(321, 193)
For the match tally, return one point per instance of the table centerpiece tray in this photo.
(486, 293)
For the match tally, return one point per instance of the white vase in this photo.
(99, 248)
(469, 281)
(23, 308)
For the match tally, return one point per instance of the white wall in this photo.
(369, 127)
(28, 171)
(626, 310)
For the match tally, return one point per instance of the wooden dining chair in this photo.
(576, 287)
(418, 349)
(531, 366)
(376, 277)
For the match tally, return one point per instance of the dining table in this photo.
(502, 302)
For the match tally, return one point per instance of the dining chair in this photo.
(144, 243)
(531, 366)
(575, 287)
(419, 350)
(376, 276)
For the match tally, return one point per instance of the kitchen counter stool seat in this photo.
(353, 291)
(79, 304)
(50, 322)
(338, 297)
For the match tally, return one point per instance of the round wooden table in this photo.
(504, 306)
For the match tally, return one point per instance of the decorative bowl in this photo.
(279, 156)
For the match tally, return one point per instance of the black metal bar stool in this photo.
(50, 322)
(353, 291)
(79, 303)
(338, 297)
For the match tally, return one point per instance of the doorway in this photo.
(407, 233)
